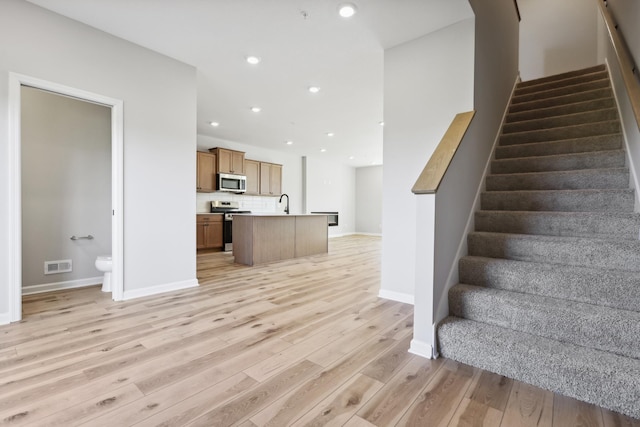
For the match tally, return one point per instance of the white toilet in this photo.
(104, 264)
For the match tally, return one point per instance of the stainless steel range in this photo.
(228, 209)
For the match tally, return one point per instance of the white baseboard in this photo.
(420, 348)
(59, 286)
(396, 296)
(154, 290)
(5, 319)
(341, 235)
(368, 234)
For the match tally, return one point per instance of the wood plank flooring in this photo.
(303, 342)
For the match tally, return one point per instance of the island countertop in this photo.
(266, 237)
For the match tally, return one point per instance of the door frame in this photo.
(16, 81)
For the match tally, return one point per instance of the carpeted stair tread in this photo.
(559, 200)
(566, 132)
(560, 162)
(579, 251)
(578, 107)
(561, 91)
(561, 100)
(560, 180)
(583, 117)
(563, 76)
(617, 289)
(590, 375)
(554, 84)
(578, 323)
(567, 146)
(606, 225)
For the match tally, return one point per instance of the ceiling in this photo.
(301, 43)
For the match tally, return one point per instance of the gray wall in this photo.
(427, 81)
(557, 36)
(496, 72)
(626, 13)
(369, 200)
(159, 98)
(66, 184)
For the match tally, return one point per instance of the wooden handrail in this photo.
(624, 59)
(437, 166)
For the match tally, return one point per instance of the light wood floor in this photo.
(302, 342)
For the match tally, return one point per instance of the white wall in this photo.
(159, 96)
(291, 178)
(557, 36)
(369, 200)
(427, 82)
(66, 185)
(331, 187)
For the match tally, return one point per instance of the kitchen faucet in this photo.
(286, 209)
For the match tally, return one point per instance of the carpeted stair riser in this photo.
(578, 107)
(559, 200)
(570, 81)
(563, 180)
(563, 76)
(561, 162)
(602, 328)
(617, 289)
(578, 251)
(590, 375)
(561, 100)
(568, 146)
(560, 121)
(555, 134)
(609, 225)
(562, 91)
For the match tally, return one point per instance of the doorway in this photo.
(117, 142)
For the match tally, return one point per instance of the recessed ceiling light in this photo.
(381, 123)
(289, 142)
(256, 109)
(330, 134)
(214, 124)
(314, 89)
(351, 157)
(347, 10)
(323, 150)
(253, 60)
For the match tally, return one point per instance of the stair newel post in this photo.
(424, 336)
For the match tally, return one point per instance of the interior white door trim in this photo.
(117, 183)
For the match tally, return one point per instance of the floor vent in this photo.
(55, 267)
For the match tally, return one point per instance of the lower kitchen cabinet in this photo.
(209, 231)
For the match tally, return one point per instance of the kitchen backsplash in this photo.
(248, 203)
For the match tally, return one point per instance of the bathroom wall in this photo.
(66, 188)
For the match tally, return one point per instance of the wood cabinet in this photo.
(252, 171)
(270, 179)
(229, 161)
(206, 172)
(209, 231)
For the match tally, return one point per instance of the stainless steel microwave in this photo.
(232, 183)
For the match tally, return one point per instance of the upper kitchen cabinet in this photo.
(229, 161)
(252, 171)
(206, 175)
(270, 179)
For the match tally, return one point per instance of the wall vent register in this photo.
(55, 267)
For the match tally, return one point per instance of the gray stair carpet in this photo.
(549, 292)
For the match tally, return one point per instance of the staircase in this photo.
(550, 291)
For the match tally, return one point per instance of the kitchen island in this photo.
(259, 238)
